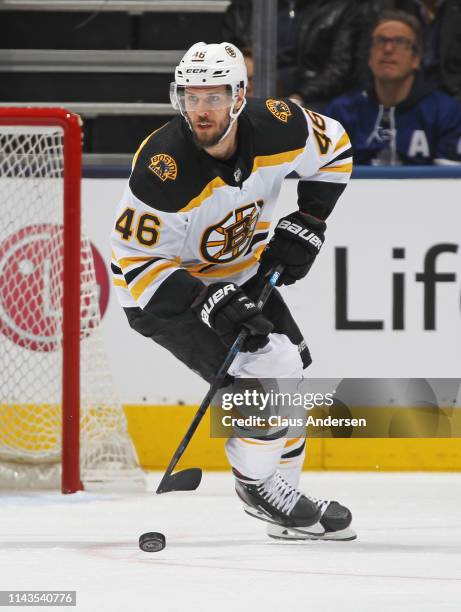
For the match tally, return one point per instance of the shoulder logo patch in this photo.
(279, 109)
(164, 166)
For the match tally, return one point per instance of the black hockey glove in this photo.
(226, 309)
(296, 242)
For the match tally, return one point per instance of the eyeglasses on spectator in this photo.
(397, 42)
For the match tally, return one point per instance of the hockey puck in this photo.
(152, 541)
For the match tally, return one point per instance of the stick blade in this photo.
(185, 480)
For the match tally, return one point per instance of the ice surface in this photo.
(407, 557)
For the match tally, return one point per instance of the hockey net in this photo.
(59, 415)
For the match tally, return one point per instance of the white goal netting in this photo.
(31, 312)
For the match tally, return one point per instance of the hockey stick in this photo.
(189, 479)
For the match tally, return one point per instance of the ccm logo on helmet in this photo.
(302, 232)
(196, 70)
(211, 302)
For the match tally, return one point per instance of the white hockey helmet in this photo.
(210, 65)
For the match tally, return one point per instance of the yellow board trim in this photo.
(157, 430)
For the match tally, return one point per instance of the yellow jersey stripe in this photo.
(224, 271)
(251, 441)
(205, 193)
(263, 225)
(141, 146)
(125, 262)
(195, 267)
(341, 168)
(276, 159)
(342, 142)
(119, 282)
(291, 441)
(259, 250)
(262, 160)
(139, 287)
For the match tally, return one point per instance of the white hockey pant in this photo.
(259, 459)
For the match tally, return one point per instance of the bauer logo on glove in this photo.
(295, 244)
(301, 232)
(214, 298)
(227, 310)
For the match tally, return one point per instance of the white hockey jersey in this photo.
(187, 219)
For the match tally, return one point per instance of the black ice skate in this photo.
(276, 502)
(334, 518)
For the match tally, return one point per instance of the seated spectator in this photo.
(315, 40)
(401, 119)
(440, 21)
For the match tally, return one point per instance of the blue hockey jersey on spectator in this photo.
(425, 128)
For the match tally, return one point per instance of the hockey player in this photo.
(189, 253)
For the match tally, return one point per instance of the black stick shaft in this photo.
(216, 384)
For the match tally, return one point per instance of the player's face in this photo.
(392, 55)
(207, 109)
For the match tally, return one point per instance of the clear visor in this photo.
(199, 99)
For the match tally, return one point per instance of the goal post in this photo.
(59, 416)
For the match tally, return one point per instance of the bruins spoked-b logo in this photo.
(230, 51)
(279, 109)
(231, 237)
(164, 166)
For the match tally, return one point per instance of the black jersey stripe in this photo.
(206, 267)
(132, 274)
(255, 240)
(115, 269)
(344, 155)
(275, 436)
(294, 453)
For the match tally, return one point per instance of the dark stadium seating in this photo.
(65, 30)
(43, 60)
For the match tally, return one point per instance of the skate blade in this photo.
(314, 531)
(277, 532)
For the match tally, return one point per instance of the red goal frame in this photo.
(71, 126)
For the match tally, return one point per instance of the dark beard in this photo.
(205, 145)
